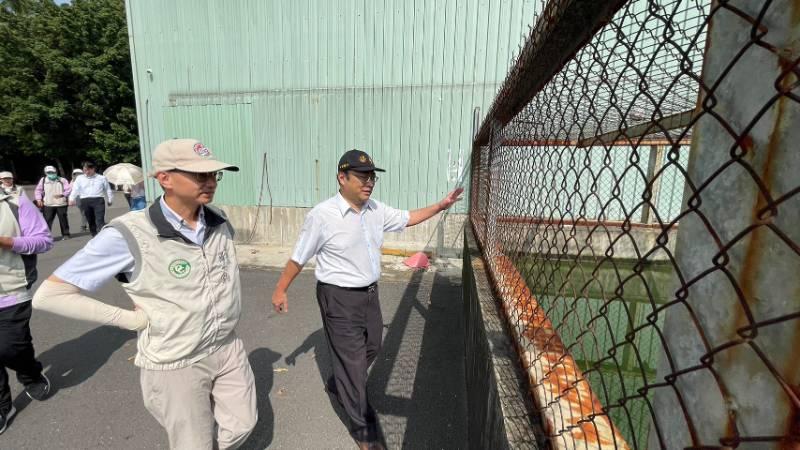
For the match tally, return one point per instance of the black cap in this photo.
(358, 161)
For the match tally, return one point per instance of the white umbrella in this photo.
(124, 173)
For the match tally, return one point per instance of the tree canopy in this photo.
(66, 88)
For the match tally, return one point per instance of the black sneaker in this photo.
(4, 418)
(38, 390)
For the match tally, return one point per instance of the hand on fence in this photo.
(451, 198)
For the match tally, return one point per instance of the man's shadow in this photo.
(262, 360)
(72, 362)
(318, 343)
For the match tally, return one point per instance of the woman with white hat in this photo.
(8, 186)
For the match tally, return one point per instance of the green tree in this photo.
(66, 89)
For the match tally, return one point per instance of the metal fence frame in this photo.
(725, 330)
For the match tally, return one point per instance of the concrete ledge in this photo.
(499, 404)
(392, 267)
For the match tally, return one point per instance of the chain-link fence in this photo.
(635, 194)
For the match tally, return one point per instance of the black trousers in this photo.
(354, 330)
(50, 213)
(94, 209)
(16, 350)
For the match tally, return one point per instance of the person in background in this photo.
(126, 191)
(75, 174)
(51, 194)
(91, 187)
(23, 234)
(8, 186)
(138, 200)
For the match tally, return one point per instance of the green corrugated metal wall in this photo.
(305, 80)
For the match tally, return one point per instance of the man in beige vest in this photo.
(178, 263)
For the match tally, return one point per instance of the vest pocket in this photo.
(154, 327)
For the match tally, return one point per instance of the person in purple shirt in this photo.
(23, 234)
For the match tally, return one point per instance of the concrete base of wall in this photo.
(279, 226)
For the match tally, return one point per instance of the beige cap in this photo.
(6, 175)
(189, 155)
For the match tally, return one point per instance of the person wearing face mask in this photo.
(8, 186)
(51, 195)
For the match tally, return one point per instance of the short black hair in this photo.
(88, 165)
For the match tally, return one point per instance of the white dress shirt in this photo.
(107, 254)
(347, 243)
(95, 186)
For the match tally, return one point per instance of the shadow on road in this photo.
(72, 362)
(262, 360)
(317, 344)
(417, 382)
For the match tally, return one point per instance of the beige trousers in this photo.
(187, 402)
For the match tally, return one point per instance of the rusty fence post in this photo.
(730, 373)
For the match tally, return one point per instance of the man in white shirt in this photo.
(345, 233)
(91, 188)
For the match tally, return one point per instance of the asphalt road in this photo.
(416, 385)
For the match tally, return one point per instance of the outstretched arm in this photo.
(279, 299)
(421, 215)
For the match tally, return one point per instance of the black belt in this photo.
(371, 287)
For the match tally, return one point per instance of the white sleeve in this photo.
(76, 187)
(66, 300)
(309, 241)
(105, 256)
(109, 191)
(394, 220)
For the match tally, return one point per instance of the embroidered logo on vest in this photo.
(180, 268)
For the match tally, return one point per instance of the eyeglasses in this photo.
(202, 177)
(364, 179)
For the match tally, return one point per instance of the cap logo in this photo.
(201, 150)
(362, 158)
